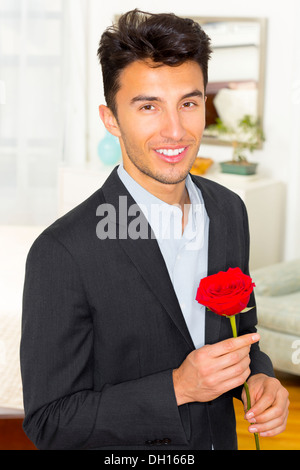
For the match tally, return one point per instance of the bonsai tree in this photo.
(246, 137)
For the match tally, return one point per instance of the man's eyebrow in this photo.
(143, 98)
(138, 98)
(192, 94)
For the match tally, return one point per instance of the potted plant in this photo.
(246, 137)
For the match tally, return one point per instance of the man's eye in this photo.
(148, 107)
(188, 104)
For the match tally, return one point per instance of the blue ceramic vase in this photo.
(109, 150)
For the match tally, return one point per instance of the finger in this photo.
(234, 382)
(275, 431)
(232, 377)
(233, 344)
(274, 412)
(233, 358)
(271, 428)
(271, 399)
(238, 370)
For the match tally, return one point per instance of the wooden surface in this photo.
(288, 440)
(12, 436)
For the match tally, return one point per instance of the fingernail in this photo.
(249, 415)
(252, 429)
(255, 337)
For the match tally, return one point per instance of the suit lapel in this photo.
(146, 256)
(216, 252)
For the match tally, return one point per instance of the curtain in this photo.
(75, 73)
(42, 103)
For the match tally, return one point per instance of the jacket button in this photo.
(166, 441)
(157, 442)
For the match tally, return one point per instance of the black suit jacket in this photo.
(102, 331)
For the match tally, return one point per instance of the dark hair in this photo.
(164, 38)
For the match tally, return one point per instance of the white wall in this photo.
(281, 153)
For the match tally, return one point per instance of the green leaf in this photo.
(246, 309)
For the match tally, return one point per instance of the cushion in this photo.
(281, 313)
(278, 279)
(282, 348)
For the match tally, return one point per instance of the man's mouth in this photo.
(172, 155)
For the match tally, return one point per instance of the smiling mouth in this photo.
(171, 155)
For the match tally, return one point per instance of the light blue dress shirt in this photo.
(185, 254)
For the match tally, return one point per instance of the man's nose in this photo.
(172, 127)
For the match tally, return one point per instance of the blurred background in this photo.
(51, 88)
(51, 156)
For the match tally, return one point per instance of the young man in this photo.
(116, 353)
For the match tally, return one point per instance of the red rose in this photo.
(225, 293)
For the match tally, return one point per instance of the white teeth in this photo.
(170, 152)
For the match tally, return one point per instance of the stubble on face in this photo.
(169, 177)
(160, 110)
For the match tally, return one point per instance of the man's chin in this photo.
(173, 176)
(169, 179)
(169, 174)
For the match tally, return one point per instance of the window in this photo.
(31, 109)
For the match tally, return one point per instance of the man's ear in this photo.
(109, 120)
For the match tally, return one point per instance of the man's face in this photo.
(161, 118)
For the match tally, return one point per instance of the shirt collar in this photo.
(159, 213)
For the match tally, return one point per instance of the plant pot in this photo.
(239, 168)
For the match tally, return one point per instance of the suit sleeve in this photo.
(62, 408)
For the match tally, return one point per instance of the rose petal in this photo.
(225, 293)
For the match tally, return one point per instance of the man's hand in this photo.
(212, 370)
(270, 403)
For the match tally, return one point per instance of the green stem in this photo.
(234, 331)
(233, 325)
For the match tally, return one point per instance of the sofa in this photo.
(277, 295)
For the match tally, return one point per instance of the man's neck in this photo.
(173, 194)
